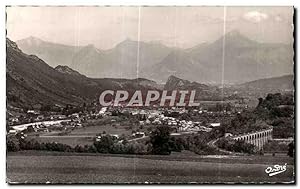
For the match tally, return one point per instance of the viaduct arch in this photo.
(258, 138)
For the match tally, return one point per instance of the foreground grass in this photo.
(54, 167)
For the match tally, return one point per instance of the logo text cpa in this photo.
(275, 170)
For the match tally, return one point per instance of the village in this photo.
(121, 121)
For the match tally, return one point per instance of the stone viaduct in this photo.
(258, 138)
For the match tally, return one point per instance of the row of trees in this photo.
(160, 143)
(236, 146)
(107, 144)
(16, 144)
(163, 143)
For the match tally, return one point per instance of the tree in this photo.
(236, 146)
(12, 143)
(160, 139)
(105, 144)
(177, 144)
(79, 148)
(228, 107)
(46, 108)
(291, 149)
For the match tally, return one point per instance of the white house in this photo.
(215, 124)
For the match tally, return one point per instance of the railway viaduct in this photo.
(258, 138)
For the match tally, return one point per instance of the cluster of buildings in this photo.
(182, 125)
(32, 116)
(158, 117)
(36, 122)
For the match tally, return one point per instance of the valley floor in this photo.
(55, 167)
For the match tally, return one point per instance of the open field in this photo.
(54, 167)
(93, 130)
(81, 136)
(84, 135)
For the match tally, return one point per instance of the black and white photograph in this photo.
(150, 94)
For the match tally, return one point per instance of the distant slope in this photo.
(277, 83)
(31, 81)
(52, 53)
(203, 92)
(67, 70)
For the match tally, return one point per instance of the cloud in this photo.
(255, 16)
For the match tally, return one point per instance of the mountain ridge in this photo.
(31, 81)
(246, 58)
(285, 82)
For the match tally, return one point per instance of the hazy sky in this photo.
(182, 27)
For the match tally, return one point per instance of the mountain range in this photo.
(32, 81)
(241, 60)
